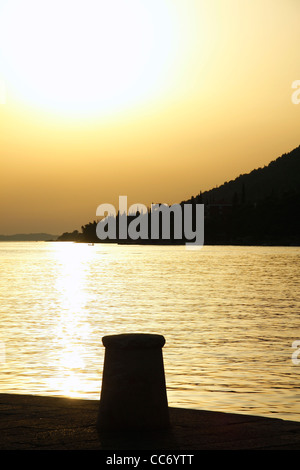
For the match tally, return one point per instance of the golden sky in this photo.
(153, 99)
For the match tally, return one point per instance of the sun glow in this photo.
(86, 56)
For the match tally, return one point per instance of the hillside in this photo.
(258, 208)
(25, 237)
(281, 176)
(261, 207)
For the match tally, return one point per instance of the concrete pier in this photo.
(133, 413)
(49, 423)
(133, 394)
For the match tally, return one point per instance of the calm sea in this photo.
(229, 315)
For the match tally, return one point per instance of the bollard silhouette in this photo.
(133, 394)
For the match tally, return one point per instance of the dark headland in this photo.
(258, 208)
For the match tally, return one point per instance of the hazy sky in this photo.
(153, 99)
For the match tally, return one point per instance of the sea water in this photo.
(230, 316)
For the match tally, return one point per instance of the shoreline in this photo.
(135, 243)
(31, 422)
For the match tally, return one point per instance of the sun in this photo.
(85, 56)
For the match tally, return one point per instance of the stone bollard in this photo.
(133, 394)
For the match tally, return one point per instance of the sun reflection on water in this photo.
(71, 331)
(73, 261)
